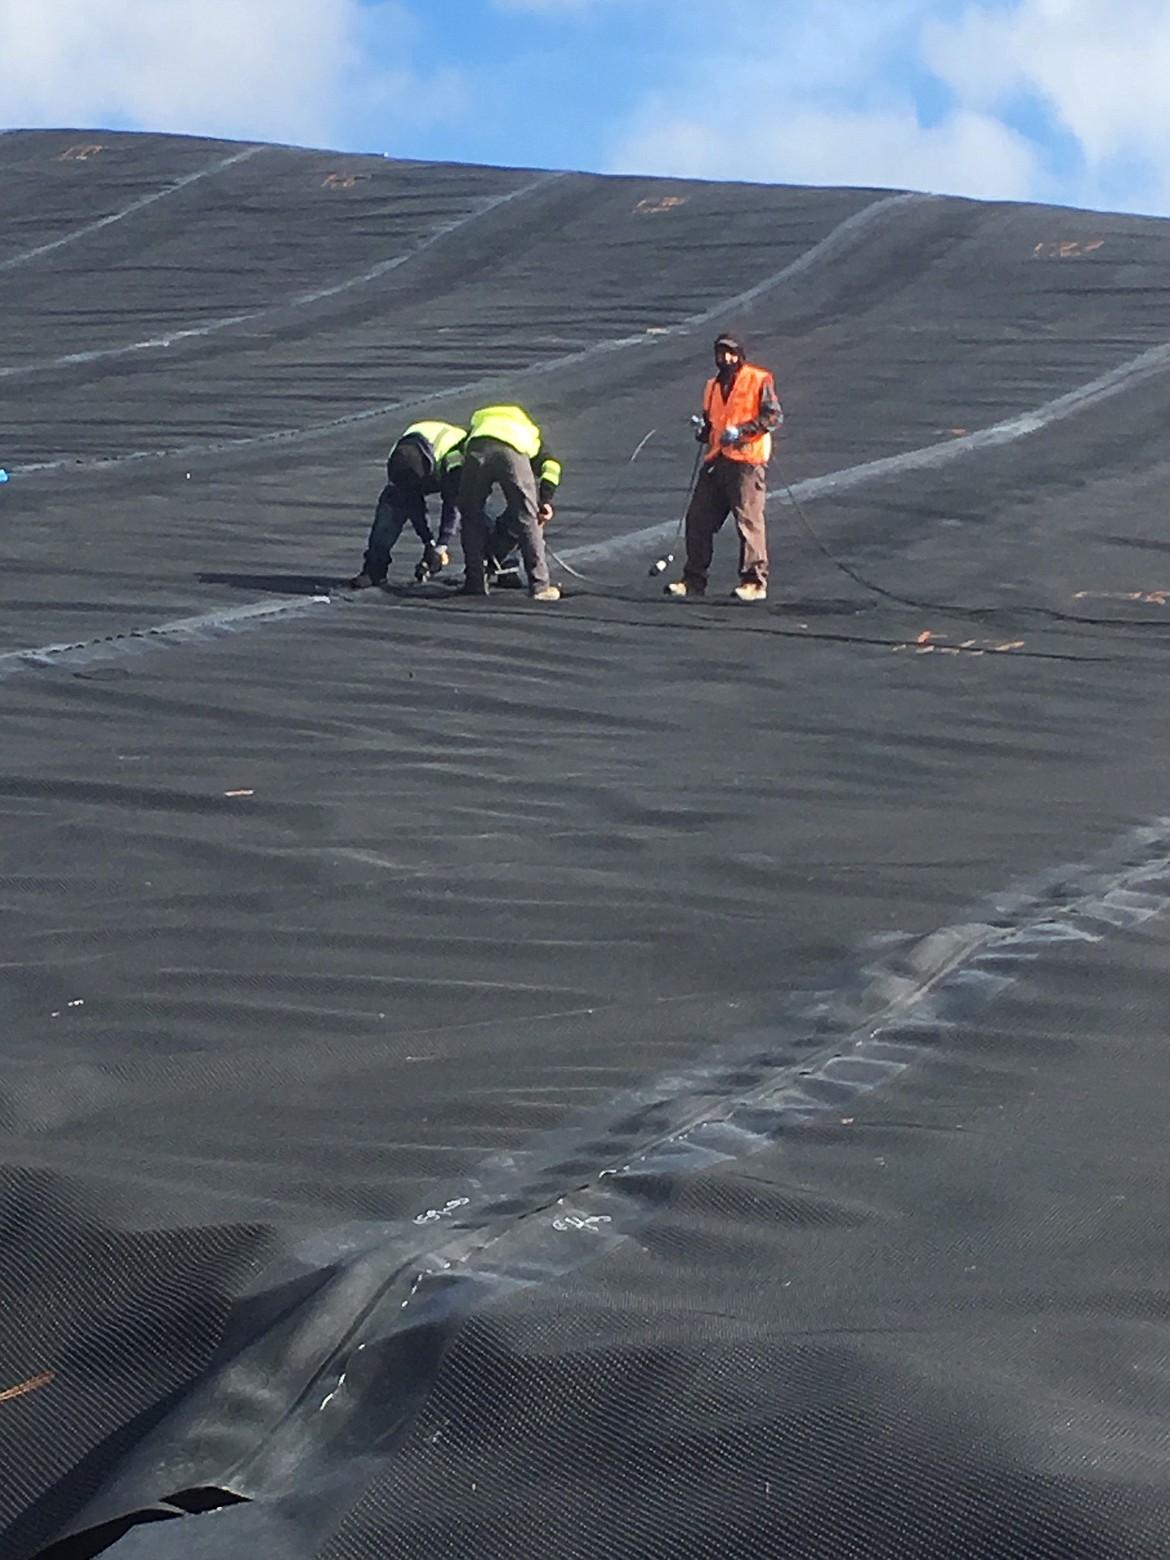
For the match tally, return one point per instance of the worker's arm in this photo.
(769, 416)
(548, 473)
(450, 473)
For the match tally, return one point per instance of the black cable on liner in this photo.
(939, 606)
(602, 503)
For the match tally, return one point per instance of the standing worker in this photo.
(426, 459)
(505, 447)
(740, 409)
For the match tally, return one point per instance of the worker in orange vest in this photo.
(740, 410)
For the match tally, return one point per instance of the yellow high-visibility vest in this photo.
(446, 439)
(510, 424)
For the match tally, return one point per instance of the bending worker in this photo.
(740, 409)
(505, 448)
(426, 459)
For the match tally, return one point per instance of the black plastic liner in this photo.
(631, 1078)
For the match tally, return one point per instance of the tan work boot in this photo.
(750, 590)
(547, 593)
(681, 588)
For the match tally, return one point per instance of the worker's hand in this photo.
(730, 434)
(544, 514)
(702, 429)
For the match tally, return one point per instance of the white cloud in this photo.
(968, 154)
(279, 70)
(825, 99)
(1099, 69)
(831, 93)
(1103, 69)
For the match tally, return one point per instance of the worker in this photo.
(426, 459)
(740, 410)
(505, 448)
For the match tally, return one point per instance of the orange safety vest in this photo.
(742, 406)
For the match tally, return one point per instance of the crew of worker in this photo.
(503, 450)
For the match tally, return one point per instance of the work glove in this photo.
(702, 429)
(730, 434)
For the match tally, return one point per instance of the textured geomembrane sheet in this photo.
(632, 1078)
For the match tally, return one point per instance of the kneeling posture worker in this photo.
(740, 409)
(426, 459)
(505, 448)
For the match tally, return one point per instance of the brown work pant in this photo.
(727, 487)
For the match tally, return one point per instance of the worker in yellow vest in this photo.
(505, 449)
(740, 411)
(425, 460)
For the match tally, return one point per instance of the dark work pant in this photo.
(489, 463)
(502, 539)
(727, 487)
(401, 501)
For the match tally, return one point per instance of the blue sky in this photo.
(1054, 100)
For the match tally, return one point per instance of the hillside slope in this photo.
(627, 1079)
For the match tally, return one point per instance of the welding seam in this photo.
(900, 1005)
(828, 246)
(898, 994)
(1146, 365)
(302, 300)
(387, 1280)
(128, 211)
(109, 646)
(871, 1039)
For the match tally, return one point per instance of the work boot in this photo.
(363, 581)
(547, 593)
(682, 588)
(750, 590)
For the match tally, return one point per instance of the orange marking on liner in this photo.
(28, 1386)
